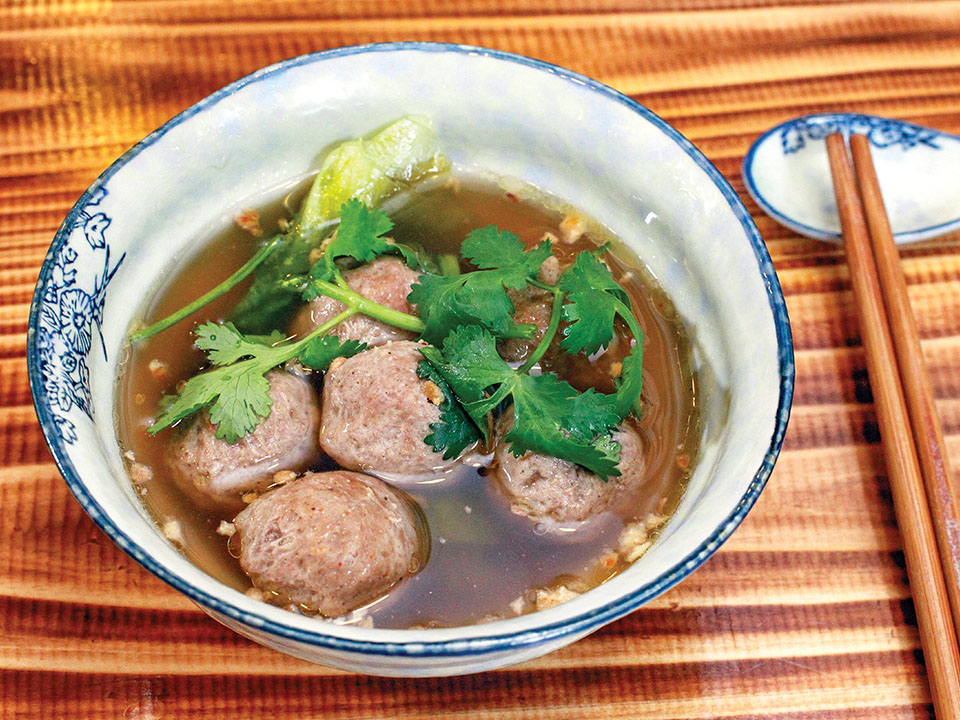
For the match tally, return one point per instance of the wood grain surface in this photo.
(805, 613)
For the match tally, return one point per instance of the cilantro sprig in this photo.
(361, 236)
(236, 389)
(549, 415)
(594, 301)
(455, 430)
(480, 297)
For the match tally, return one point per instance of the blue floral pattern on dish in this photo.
(881, 132)
(71, 307)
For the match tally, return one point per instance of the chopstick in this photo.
(937, 632)
(924, 419)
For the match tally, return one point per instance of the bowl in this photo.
(511, 115)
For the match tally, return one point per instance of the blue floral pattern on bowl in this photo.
(70, 309)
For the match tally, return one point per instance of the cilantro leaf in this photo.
(455, 431)
(237, 390)
(594, 297)
(551, 418)
(195, 395)
(242, 402)
(360, 234)
(273, 298)
(470, 364)
(549, 415)
(479, 297)
(595, 300)
(321, 351)
(476, 298)
(224, 344)
(415, 256)
(631, 381)
(490, 248)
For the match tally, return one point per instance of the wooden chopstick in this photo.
(937, 634)
(924, 419)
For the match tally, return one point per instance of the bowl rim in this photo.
(493, 642)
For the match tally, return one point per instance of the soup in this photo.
(475, 547)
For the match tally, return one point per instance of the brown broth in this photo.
(483, 557)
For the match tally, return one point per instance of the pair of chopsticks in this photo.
(915, 453)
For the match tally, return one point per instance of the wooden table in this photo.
(804, 613)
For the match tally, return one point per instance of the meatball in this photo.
(531, 305)
(214, 471)
(386, 280)
(547, 488)
(377, 412)
(329, 542)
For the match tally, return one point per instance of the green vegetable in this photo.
(480, 297)
(237, 386)
(235, 279)
(448, 265)
(373, 169)
(594, 301)
(274, 295)
(323, 350)
(358, 303)
(360, 236)
(361, 232)
(455, 430)
(549, 415)
(370, 170)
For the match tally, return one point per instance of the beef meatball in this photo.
(216, 472)
(387, 281)
(535, 306)
(377, 412)
(329, 542)
(547, 488)
(531, 305)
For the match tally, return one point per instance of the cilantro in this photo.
(360, 236)
(630, 383)
(455, 430)
(549, 415)
(480, 297)
(236, 388)
(323, 350)
(361, 232)
(491, 248)
(272, 299)
(225, 345)
(368, 169)
(415, 256)
(595, 300)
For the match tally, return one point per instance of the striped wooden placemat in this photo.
(804, 613)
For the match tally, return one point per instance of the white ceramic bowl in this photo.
(507, 114)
